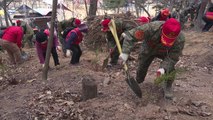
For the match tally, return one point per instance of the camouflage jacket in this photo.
(150, 35)
(27, 28)
(63, 25)
(121, 27)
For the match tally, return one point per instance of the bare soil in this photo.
(25, 96)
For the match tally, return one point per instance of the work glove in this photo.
(42, 65)
(58, 48)
(160, 72)
(68, 52)
(123, 58)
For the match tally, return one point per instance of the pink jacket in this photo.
(209, 15)
(41, 49)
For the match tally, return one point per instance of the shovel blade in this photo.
(134, 86)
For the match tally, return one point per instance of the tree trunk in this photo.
(5, 12)
(137, 8)
(50, 41)
(10, 19)
(1, 23)
(93, 8)
(198, 22)
(144, 9)
(85, 2)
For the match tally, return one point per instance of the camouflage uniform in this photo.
(28, 35)
(152, 47)
(121, 27)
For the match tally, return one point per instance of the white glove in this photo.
(58, 48)
(123, 57)
(160, 72)
(68, 52)
(124, 36)
(42, 65)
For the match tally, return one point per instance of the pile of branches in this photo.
(95, 39)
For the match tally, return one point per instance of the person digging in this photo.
(121, 27)
(160, 39)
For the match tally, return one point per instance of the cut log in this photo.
(89, 88)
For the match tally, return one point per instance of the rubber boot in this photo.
(167, 88)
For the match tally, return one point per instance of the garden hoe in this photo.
(130, 80)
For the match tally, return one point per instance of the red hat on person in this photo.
(104, 24)
(143, 20)
(165, 12)
(77, 22)
(18, 22)
(170, 30)
(47, 32)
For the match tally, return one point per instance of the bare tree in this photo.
(50, 41)
(93, 8)
(85, 2)
(5, 12)
(198, 21)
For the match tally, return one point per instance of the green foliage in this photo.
(165, 77)
(112, 4)
(168, 76)
(96, 59)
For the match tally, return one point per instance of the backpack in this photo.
(66, 31)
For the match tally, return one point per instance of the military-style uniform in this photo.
(28, 35)
(152, 47)
(121, 27)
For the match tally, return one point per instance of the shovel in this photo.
(130, 80)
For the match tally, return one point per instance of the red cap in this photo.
(47, 32)
(143, 20)
(165, 12)
(77, 22)
(170, 30)
(18, 22)
(104, 24)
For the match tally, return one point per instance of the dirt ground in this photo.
(25, 96)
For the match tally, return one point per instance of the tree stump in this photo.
(89, 88)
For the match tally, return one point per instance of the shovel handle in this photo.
(112, 28)
(130, 81)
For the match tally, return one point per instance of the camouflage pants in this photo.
(28, 39)
(12, 50)
(115, 53)
(144, 62)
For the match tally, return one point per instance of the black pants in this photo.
(115, 54)
(76, 54)
(63, 44)
(55, 56)
(208, 24)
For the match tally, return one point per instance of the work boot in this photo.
(167, 89)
